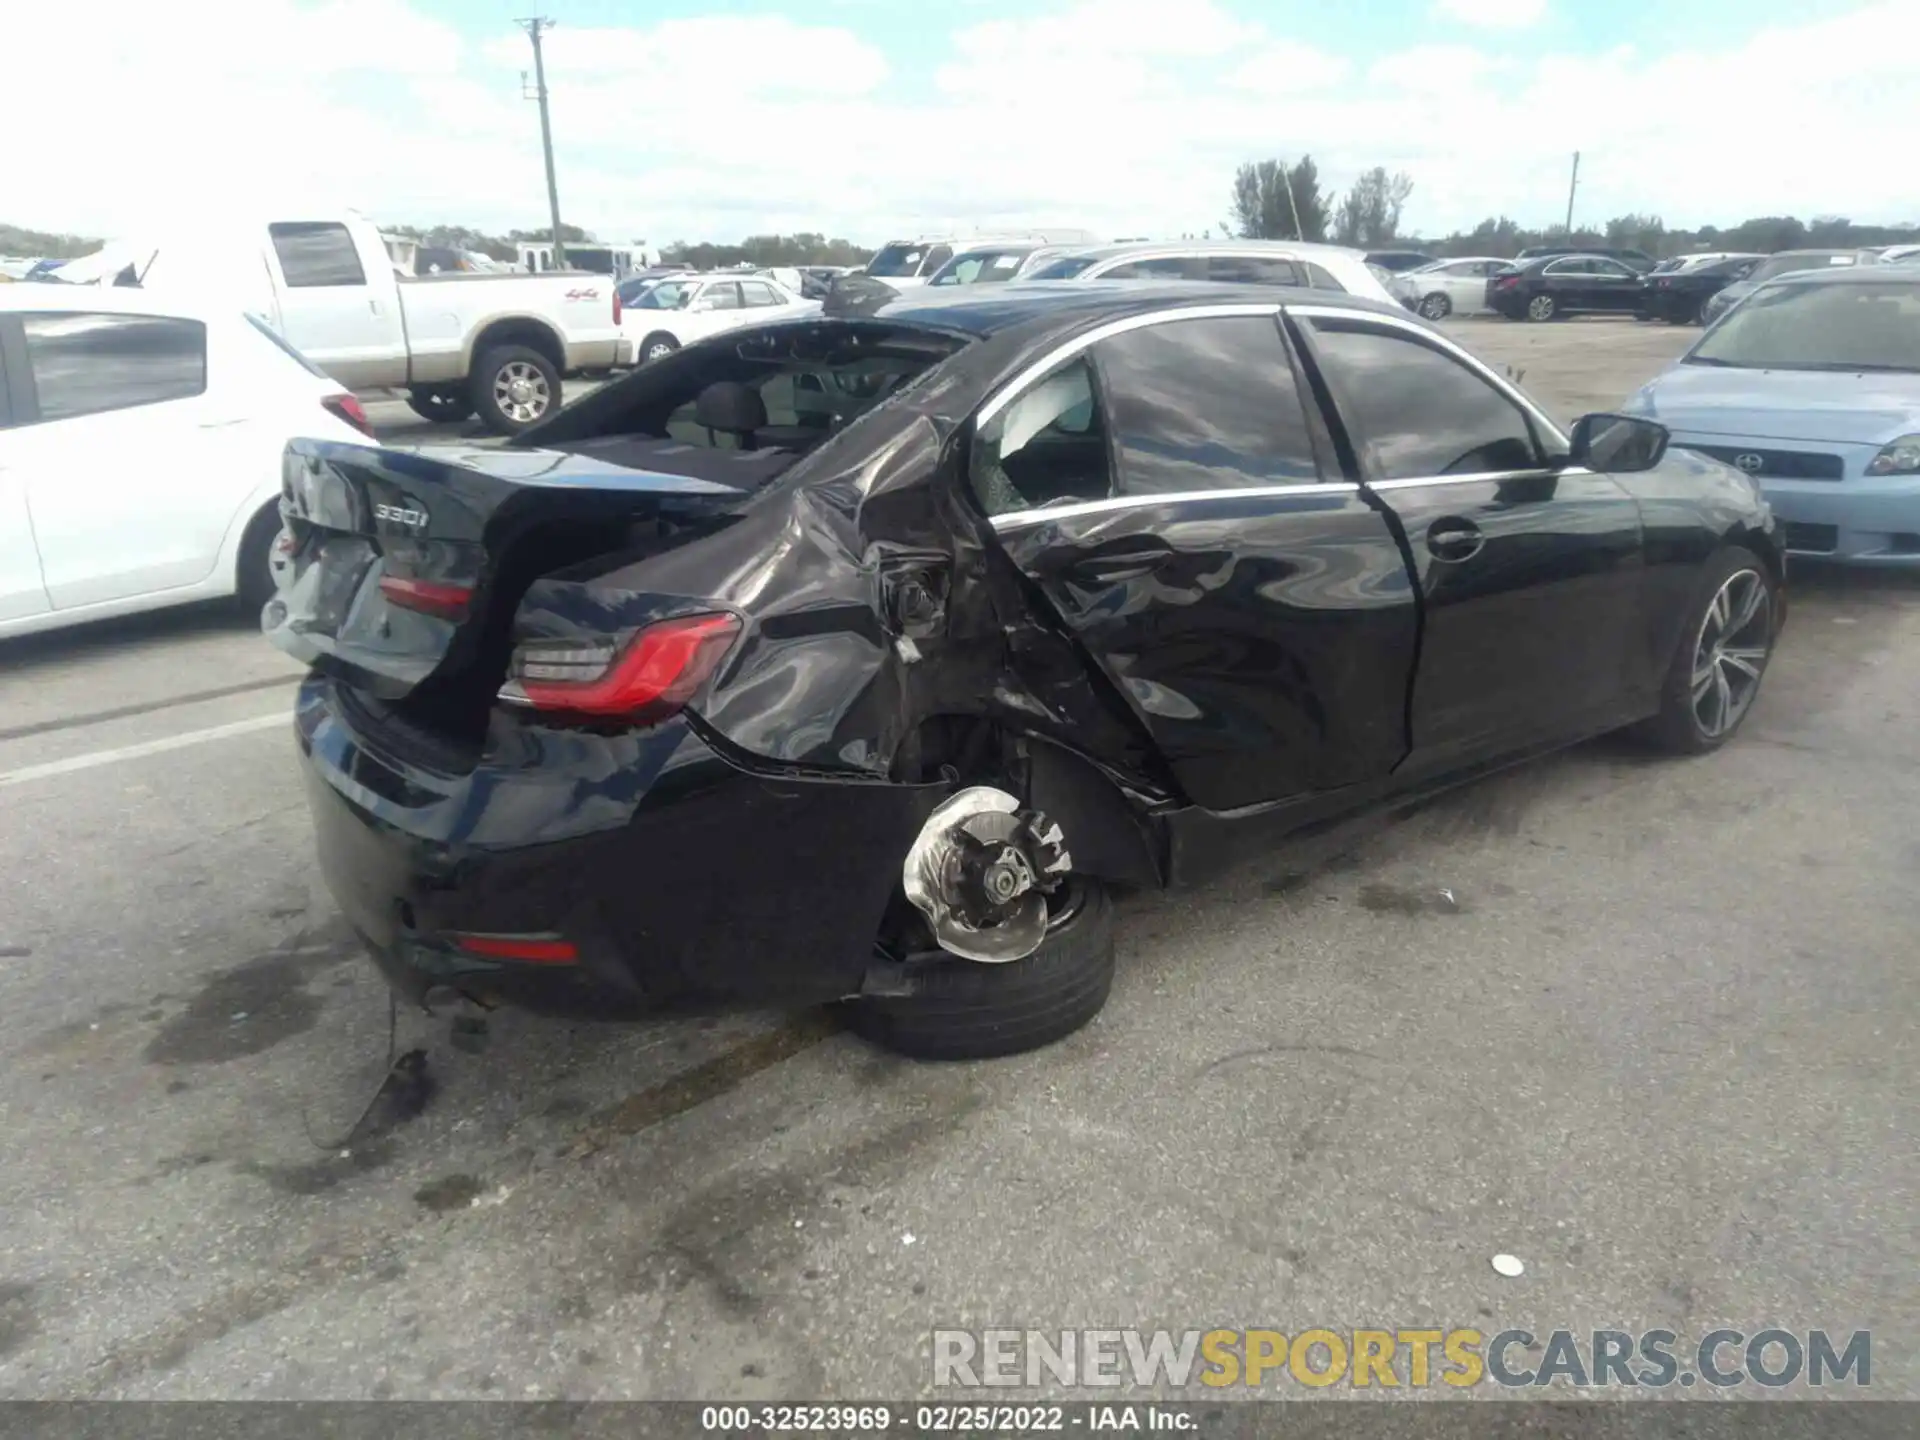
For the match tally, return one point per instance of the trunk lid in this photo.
(400, 570)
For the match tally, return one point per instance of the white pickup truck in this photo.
(457, 344)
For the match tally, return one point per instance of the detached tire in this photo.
(966, 1010)
(1721, 659)
(513, 387)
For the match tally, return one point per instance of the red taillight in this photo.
(349, 409)
(1506, 281)
(657, 671)
(529, 949)
(616, 304)
(429, 597)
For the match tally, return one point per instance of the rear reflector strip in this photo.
(529, 949)
(429, 597)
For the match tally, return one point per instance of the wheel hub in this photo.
(981, 871)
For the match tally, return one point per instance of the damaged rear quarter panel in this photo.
(861, 542)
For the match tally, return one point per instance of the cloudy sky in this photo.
(692, 119)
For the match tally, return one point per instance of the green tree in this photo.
(1268, 195)
(1370, 213)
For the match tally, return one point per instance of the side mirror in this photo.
(1618, 444)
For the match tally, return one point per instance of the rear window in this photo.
(280, 344)
(1321, 278)
(1065, 268)
(316, 254)
(806, 386)
(897, 261)
(86, 363)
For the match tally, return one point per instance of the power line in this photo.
(535, 28)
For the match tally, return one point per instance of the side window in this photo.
(83, 364)
(757, 294)
(1252, 270)
(1162, 267)
(966, 272)
(1416, 411)
(315, 254)
(1612, 268)
(936, 257)
(724, 296)
(1204, 405)
(1048, 445)
(1320, 278)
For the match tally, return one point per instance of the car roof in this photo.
(118, 300)
(1306, 249)
(983, 310)
(1846, 275)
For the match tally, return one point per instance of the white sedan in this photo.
(140, 444)
(1447, 287)
(686, 308)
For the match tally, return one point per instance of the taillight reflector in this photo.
(652, 676)
(429, 597)
(349, 409)
(529, 949)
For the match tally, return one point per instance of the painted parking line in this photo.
(147, 747)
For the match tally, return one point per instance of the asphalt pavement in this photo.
(1645, 1024)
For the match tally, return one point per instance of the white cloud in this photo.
(1114, 114)
(1493, 14)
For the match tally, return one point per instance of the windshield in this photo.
(1811, 325)
(666, 295)
(898, 260)
(981, 266)
(1065, 268)
(1810, 260)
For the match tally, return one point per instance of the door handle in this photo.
(1453, 539)
(1121, 562)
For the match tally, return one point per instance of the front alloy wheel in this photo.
(1715, 674)
(1730, 653)
(1436, 307)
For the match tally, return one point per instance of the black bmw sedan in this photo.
(859, 657)
(1680, 296)
(1556, 286)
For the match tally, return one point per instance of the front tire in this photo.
(514, 387)
(1542, 307)
(657, 346)
(1435, 307)
(967, 1010)
(1721, 659)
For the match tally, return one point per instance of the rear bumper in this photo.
(1671, 304)
(675, 874)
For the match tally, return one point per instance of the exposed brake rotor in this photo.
(981, 871)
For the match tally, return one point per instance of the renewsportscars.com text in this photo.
(1412, 1358)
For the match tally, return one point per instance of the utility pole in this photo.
(535, 28)
(1286, 179)
(1572, 185)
